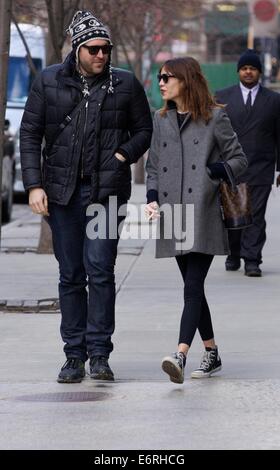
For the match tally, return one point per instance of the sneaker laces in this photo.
(180, 357)
(102, 360)
(71, 363)
(207, 359)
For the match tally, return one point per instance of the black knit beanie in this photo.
(250, 57)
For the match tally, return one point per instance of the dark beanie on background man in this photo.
(249, 57)
(83, 28)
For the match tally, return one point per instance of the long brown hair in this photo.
(198, 99)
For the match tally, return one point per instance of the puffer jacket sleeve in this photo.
(31, 136)
(140, 125)
(231, 150)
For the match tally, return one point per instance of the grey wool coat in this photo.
(176, 168)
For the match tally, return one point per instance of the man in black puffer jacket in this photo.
(95, 121)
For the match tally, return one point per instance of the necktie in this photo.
(248, 104)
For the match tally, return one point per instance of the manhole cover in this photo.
(66, 397)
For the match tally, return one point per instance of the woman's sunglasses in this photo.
(93, 50)
(164, 77)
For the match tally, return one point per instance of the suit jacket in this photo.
(258, 132)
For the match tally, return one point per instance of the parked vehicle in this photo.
(18, 184)
(20, 79)
(8, 174)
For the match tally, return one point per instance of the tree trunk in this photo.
(139, 173)
(59, 12)
(56, 30)
(5, 21)
(53, 55)
(45, 245)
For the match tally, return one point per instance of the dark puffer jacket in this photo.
(116, 122)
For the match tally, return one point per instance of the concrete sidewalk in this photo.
(28, 281)
(237, 409)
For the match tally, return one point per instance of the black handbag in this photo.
(235, 202)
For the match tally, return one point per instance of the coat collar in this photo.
(237, 98)
(172, 116)
(243, 121)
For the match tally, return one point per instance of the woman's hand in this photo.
(152, 210)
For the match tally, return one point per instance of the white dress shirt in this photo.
(245, 92)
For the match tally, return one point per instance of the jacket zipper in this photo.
(84, 136)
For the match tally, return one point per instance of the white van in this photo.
(20, 79)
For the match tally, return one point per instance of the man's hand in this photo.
(120, 157)
(38, 201)
(152, 210)
(278, 181)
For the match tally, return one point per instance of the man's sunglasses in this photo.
(164, 77)
(94, 50)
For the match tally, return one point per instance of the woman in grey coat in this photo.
(192, 137)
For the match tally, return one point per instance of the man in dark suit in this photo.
(254, 112)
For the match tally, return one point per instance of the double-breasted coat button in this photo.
(165, 193)
(195, 141)
(190, 190)
(193, 167)
(164, 169)
(164, 144)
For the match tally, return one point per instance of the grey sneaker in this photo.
(174, 366)
(210, 364)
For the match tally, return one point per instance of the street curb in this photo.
(17, 250)
(30, 306)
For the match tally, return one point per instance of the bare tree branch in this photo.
(28, 53)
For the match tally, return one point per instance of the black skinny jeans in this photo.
(196, 314)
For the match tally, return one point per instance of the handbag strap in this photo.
(67, 120)
(230, 175)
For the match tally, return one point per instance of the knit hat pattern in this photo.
(83, 28)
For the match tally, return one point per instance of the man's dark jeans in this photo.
(88, 316)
